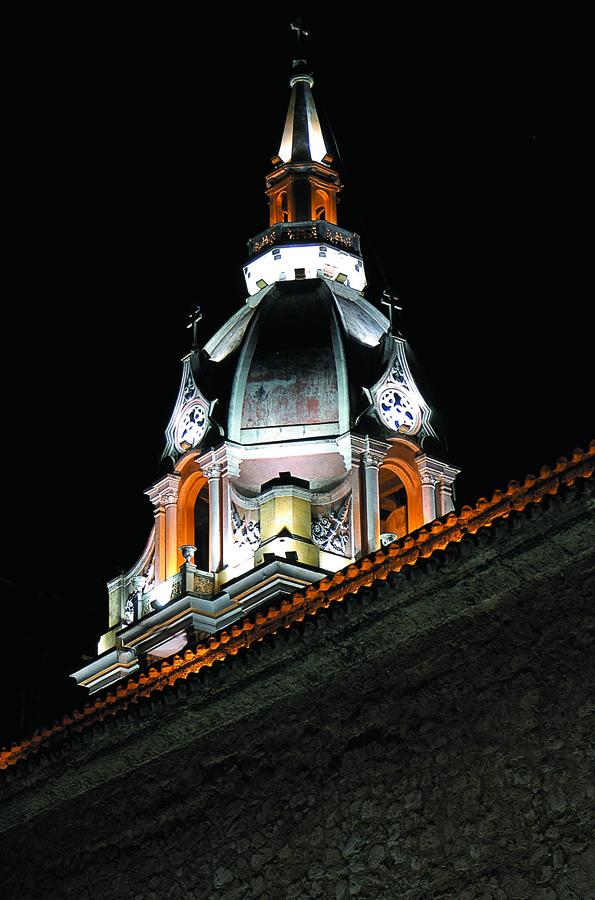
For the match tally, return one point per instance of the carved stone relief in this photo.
(246, 533)
(331, 531)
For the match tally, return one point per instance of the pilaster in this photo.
(437, 480)
(214, 465)
(164, 497)
(371, 454)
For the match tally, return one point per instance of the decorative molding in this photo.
(369, 458)
(434, 471)
(177, 587)
(429, 479)
(366, 450)
(190, 390)
(214, 463)
(164, 492)
(130, 608)
(203, 584)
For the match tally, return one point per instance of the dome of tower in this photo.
(303, 351)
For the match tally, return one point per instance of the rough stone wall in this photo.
(429, 739)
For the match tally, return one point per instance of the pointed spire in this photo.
(302, 139)
(302, 187)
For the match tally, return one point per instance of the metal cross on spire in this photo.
(300, 31)
(391, 302)
(193, 319)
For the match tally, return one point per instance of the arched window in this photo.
(321, 205)
(201, 528)
(393, 503)
(282, 207)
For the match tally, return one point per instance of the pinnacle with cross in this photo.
(193, 319)
(391, 302)
(300, 31)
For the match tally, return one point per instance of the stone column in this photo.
(444, 498)
(164, 497)
(356, 509)
(371, 463)
(170, 501)
(160, 543)
(437, 478)
(428, 494)
(213, 473)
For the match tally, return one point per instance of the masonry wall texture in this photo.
(430, 737)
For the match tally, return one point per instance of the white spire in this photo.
(302, 139)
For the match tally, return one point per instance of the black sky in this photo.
(138, 152)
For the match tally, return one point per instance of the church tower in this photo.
(297, 437)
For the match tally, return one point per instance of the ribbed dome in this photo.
(292, 376)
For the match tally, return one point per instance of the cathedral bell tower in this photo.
(297, 437)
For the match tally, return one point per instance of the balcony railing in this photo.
(189, 580)
(318, 232)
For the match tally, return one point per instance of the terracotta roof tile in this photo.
(411, 552)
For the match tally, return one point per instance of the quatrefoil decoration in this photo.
(397, 410)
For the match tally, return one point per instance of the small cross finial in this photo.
(299, 30)
(193, 319)
(390, 300)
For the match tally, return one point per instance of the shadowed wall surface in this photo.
(428, 737)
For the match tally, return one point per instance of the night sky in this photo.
(137, 175)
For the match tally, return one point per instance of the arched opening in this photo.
(393, 503)
(400, 464)
(321, 205)
(201, 528)
(282, 204)
(193, 484)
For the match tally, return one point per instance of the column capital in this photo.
(368, 451)
(429, 479)
(369, 458)
(164, 492)
(212, 470)
(433, 471)
(214, 463)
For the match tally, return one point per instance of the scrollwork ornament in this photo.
(245, 533)
(331, 530)
(129, 608)
(213, 470)
(189, 388)
(203, 585)
(397, 373)
(370, 459)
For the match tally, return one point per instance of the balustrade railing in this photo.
(315, 232)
